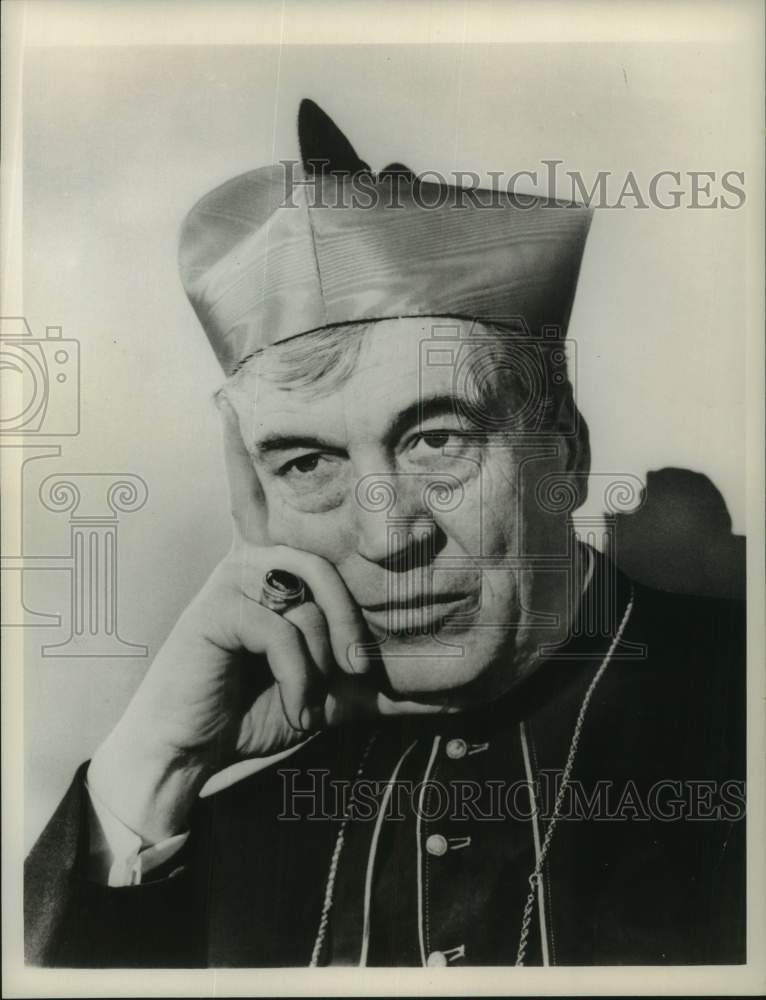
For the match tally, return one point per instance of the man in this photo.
(477, 742)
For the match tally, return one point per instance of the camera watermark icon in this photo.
(40, 401)
(504, 379)
(40, 381)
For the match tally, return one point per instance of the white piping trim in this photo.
(418, 826)
(538, 842)
(373, 851)
(591, 567)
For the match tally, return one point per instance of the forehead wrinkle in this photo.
(369, 356)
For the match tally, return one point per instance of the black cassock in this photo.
(646, 864)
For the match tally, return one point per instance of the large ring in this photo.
(282, 591)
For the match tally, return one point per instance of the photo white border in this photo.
(29, 23)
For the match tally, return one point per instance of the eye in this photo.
(431, 443)
(442, 449)
(304, 464)
(435, 439)
(313, 482)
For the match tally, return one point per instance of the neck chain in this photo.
(332, 872)
(537, 874)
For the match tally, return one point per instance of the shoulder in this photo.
(689, 616)
(681, 691)
(697, 644)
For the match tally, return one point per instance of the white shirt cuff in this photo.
(117, 855)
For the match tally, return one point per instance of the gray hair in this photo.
(509, 381)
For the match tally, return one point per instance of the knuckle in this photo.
(307, 616)
(278, 629)
(347, 621)
(277, 624)
(309, 560)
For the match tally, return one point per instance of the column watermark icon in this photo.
(40, 404)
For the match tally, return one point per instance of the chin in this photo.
(439, 668)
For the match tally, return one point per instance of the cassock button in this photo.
(437, 845)
(456, 749)
(436, 958)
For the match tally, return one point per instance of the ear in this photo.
(572, 427)
(248, 503)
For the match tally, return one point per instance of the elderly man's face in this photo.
(429, 519)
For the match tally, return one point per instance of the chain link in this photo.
(332, 873)
(537, 874)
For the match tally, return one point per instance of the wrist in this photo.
(150, 789)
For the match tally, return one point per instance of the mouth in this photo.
(418, 615)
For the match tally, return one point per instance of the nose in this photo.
(394, 527)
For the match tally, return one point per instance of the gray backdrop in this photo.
(119, 142)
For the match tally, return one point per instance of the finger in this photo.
(248, 505)
(354, 699)
(349, 638)
(390, 706)
(312, 623)
(350, 641)
(300, 682)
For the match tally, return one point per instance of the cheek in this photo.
(324, 534)
(486, 520)
(482, 521)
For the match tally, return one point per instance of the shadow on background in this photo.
(680, 539)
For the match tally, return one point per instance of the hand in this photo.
(233, 679)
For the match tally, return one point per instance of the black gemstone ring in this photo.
(282, 591)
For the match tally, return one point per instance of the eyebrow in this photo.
(421, 410)
(428, 408)
(289, 442)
